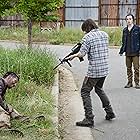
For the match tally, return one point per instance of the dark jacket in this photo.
(3, 88)
(135, 40)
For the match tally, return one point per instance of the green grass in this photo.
(17, 34)
(33, 64)
(33, 100)
(115, 35)
(64, 35)
(31, 97)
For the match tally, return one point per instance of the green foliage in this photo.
(53, 18)
(31, 64)
(7, 5)
(64, 35)
(33, 9)
(18, 34)
(32, 100)
(115, 34)
(30, 97)
(38, 9)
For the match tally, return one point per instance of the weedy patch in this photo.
(32, 96)
(61, 36)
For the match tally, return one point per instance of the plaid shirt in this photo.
(95, 45)
(3, 88)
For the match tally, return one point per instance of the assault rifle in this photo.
(75, 50)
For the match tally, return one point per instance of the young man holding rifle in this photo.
(95, 45)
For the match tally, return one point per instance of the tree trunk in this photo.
(30, 33)
(0, 21)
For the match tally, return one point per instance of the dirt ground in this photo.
(70, 109)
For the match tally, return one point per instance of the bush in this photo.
(31, 64)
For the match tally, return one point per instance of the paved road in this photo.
(126, 102)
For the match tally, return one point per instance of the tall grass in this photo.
(32, 100)
(16, 34)
(31, 97)
(64, 35)
(115, 35)
(34, 64)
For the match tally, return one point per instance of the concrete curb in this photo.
(80, 133)
(74, 109)
(55, 92)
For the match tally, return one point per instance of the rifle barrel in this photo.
(57, 66)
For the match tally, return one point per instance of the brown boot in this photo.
(129, 84)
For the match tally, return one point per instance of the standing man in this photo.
(131, 47)
(8, 81)
(95, 45)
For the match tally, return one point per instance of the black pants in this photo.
(87, 86)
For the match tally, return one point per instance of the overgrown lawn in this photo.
(62, 36)
(32, 96)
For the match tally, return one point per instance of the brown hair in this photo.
(131, 16)
(88, 25)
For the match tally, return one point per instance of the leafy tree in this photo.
(7, 5)
(34, 10)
